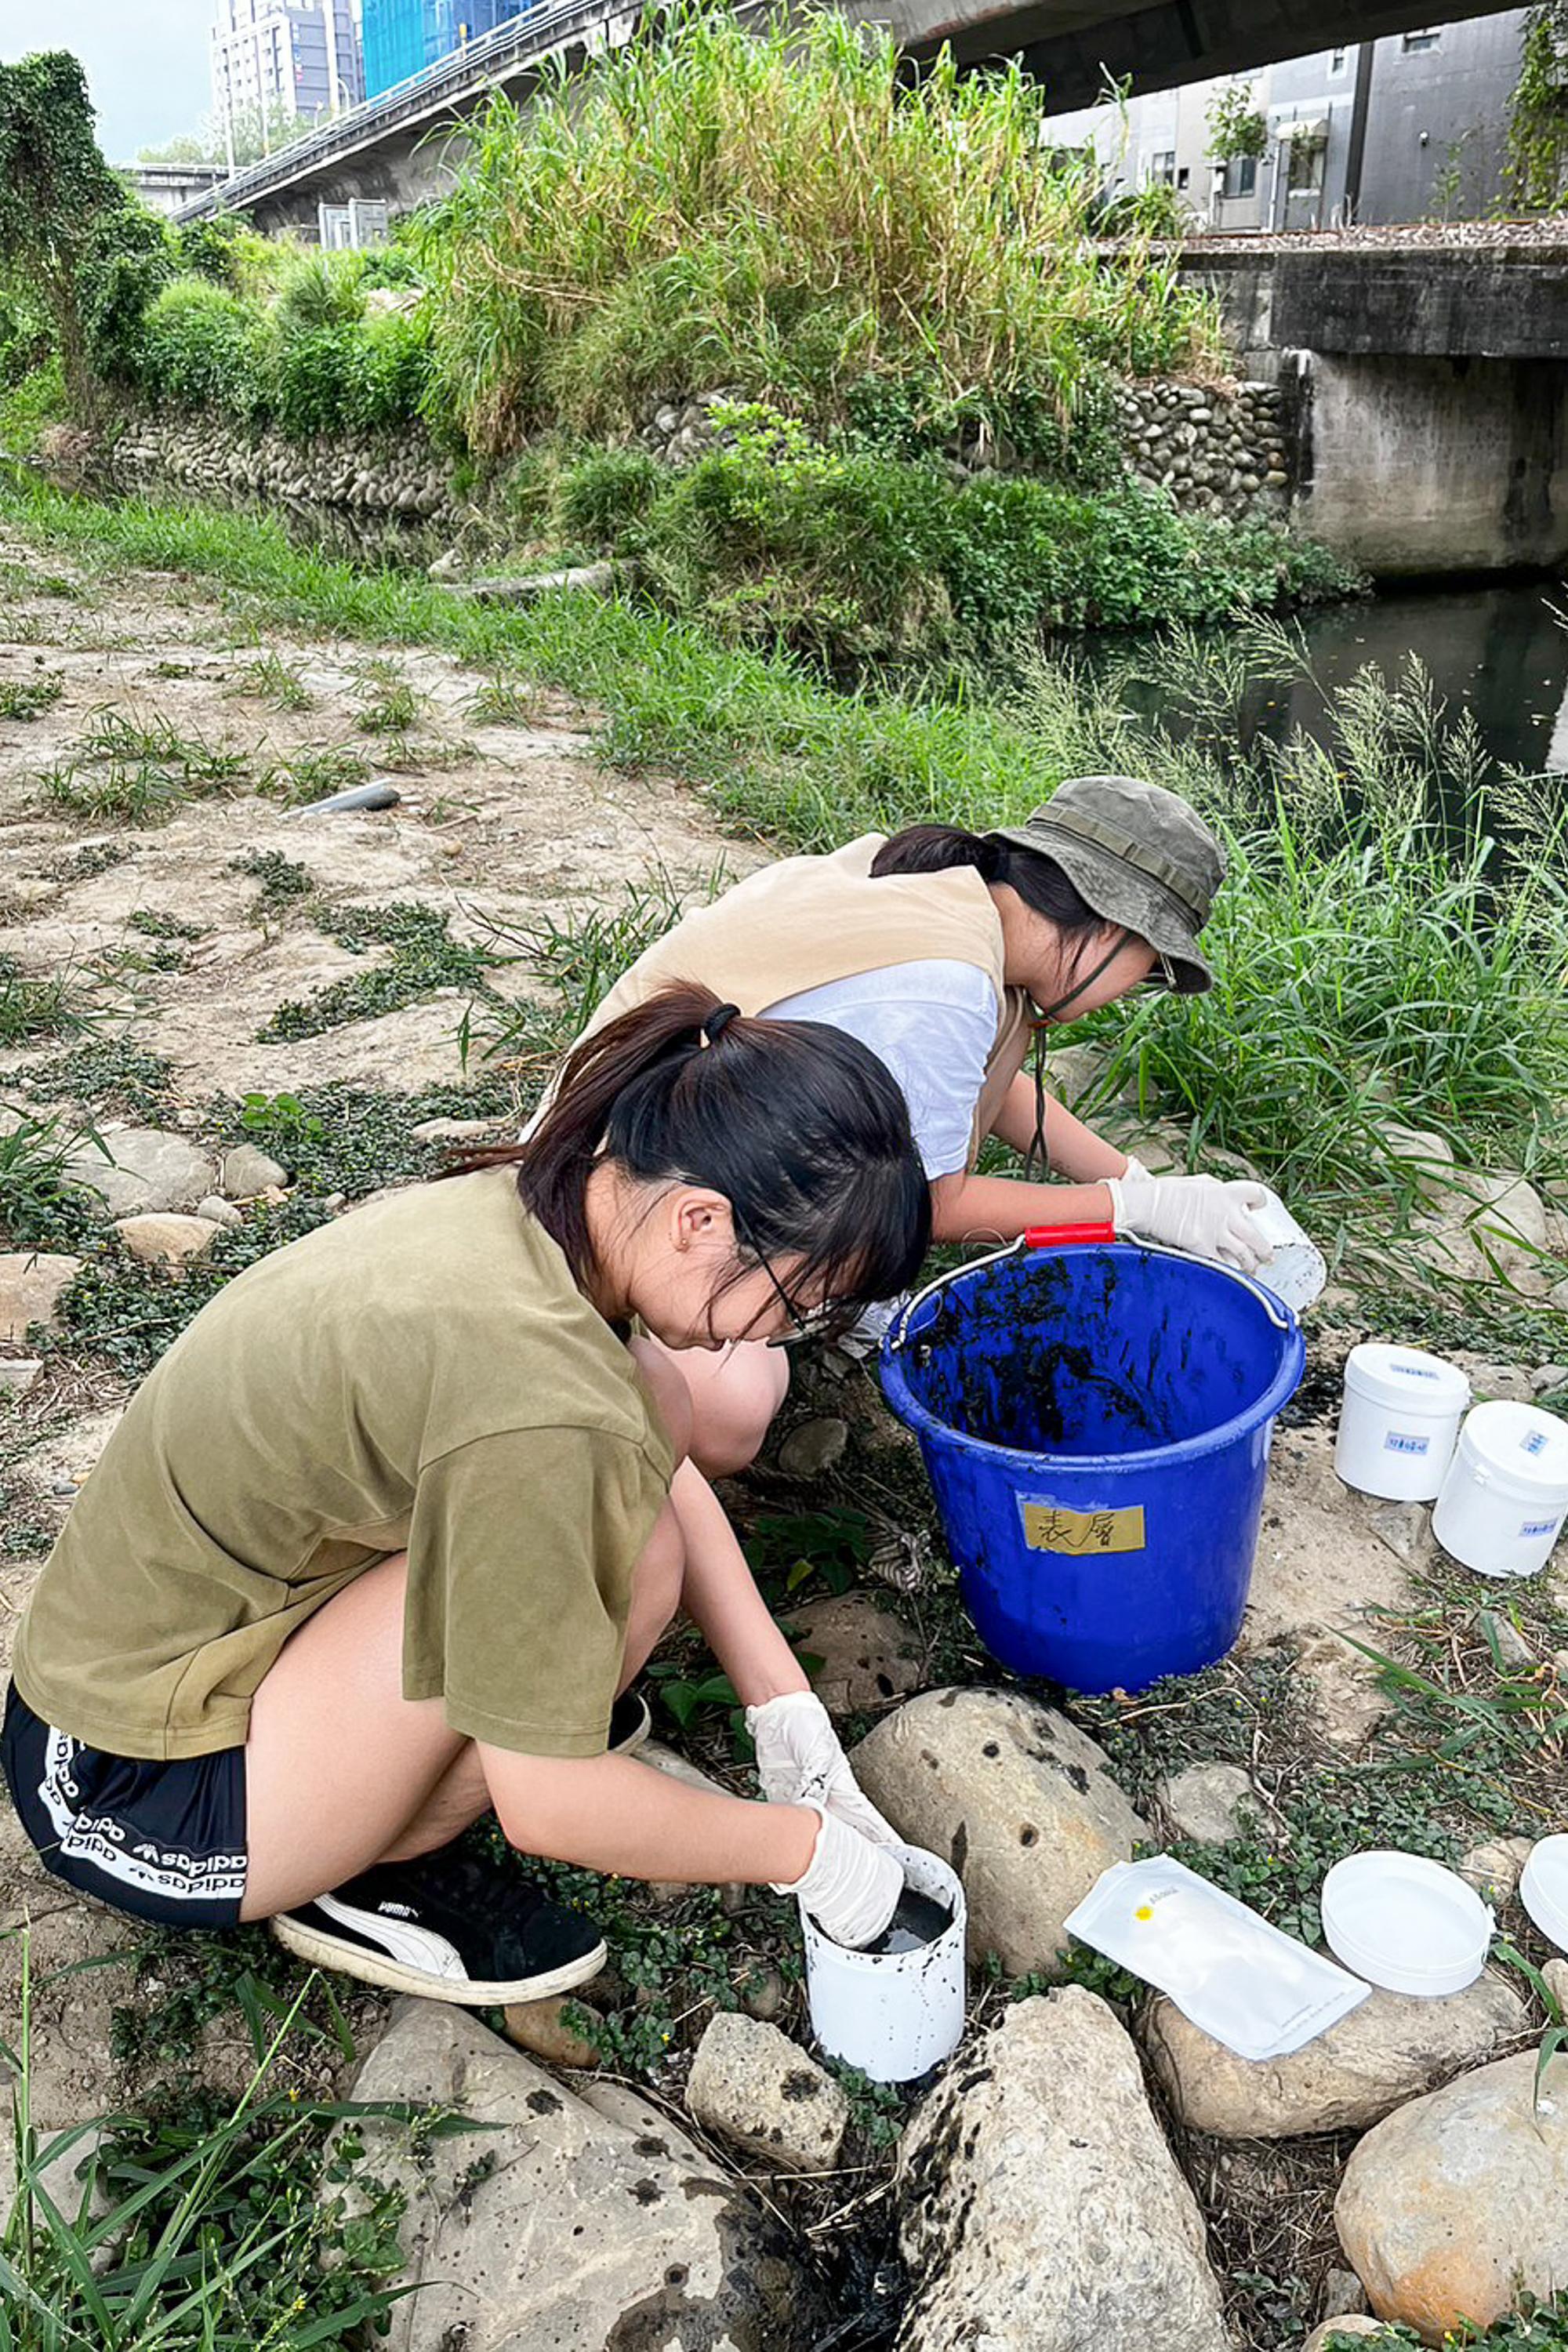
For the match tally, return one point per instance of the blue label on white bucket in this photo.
(1397, 1441)
(1533, 1441)
(1413, 1371)
(1540, 1527)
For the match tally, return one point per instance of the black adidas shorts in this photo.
(164, 1842)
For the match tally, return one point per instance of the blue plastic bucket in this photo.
(1095, 1421)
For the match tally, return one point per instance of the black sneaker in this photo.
(446, 1927)
(630, 1724)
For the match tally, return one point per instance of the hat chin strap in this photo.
(1050, 1013)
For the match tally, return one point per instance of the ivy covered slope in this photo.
(900, 297)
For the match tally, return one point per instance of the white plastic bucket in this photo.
(1506, 1495)
(1297, 1271)
(1398, 1421)
(1405, 1923)
(1543, 1889)
(892, 2014)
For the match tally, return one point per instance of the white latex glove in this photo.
(1200, 1214)
(1134, 1168)
(850, 1887)
(801, 1762)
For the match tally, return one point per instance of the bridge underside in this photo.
(1074, 46)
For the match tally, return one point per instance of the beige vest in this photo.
(805, 921)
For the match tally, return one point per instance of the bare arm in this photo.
(1000, 1208)
(611, 1813)
(1075, 1150)
(720, 1594)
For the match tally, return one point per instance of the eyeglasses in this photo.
(826, 1321)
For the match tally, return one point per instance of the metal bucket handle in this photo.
(1067, 1236)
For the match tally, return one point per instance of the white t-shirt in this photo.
(934, 1024)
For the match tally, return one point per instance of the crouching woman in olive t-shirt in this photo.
(380, 1544)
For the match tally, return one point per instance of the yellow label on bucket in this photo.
(1048, 1526)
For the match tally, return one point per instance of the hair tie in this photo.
(717, 1021)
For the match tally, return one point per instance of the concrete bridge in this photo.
(1430, 392)
(403, 146)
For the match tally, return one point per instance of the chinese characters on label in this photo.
(1050, 1526)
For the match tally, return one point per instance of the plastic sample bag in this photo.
(1248, 1985)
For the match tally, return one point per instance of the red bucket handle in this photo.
(1059, 1237)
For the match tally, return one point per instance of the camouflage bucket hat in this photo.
(1139, 856)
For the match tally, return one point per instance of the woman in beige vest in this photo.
(946, 953)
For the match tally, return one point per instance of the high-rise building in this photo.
(403, 37)
(283, 56)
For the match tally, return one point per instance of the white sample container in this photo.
(892, 2014)
(1544, 1888)
(1297, 1271)
(1405, 1923)
(1398, 1421)
(1506, 1495)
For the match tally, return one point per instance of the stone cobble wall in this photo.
(1223, 453)
(1217, 451)
(374, 474)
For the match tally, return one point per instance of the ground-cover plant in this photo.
(768, 209)
(39, 1206)
(424, 957)
(110, 1073)
(583, 957)
(281, 881)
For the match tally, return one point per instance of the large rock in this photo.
(1431, 1158)
(1040, 2208)
(1389, 2050)
(31, 1283)
(145, 1169)
(1016, 1797)
(869, 1657)
(583, 2220)
(1458, 2203)
(752, 2084)
(1487, 1229)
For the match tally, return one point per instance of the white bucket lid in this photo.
(1405, 1923)
(1408, 1379)
(1543, 1889)
(1521, 1448)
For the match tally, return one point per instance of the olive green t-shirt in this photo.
(421, 1374)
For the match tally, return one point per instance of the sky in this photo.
(146, 61)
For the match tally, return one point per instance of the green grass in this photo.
(32, 1009)
(138, 770)
(388, 705)
(306, 776)
(28, 697)
(765, 208)
(269, 679)
(220, 2226)
(39, 1207)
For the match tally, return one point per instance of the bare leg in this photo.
(342, 1772)
(733, 1399)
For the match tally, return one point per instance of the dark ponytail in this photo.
(800, 1127)
(1038, 880)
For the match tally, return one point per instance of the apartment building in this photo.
(276, 58)
(1396, 129)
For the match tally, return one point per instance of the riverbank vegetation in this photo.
(891, 300)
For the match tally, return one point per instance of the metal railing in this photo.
(532, 30)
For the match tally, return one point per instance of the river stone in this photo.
(31, 1283)
(1389, 2050)
(869, 1657)
(543, 2027)
(1456, 2202)
(145, 1169)
(582, 2221)
(750, 2084)
(19, 1373)
(1497, 1867)
(1016, 1797)
(1040, 2210)
(218, 1211)
(1208, 1802)
(247, 1172)
(1352, 2323)
(1555, 1972)
(1343, 2295)
(814, 1447)
(1430, 1156)
(165, 1239)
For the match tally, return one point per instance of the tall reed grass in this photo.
(767, 208)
